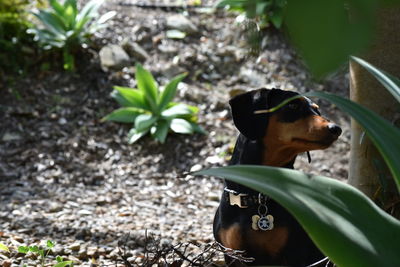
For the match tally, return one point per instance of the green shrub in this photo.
(63, 27)
(15, 43)
(152, 110)
(345, 224)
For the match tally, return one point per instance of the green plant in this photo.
(152, 110)
(15, 44)
(41, 252)
(263, 11)
(64, 27)
(345, 224)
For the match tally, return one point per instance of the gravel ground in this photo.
(70, 178)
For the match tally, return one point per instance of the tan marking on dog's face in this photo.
(305, 134)
(231, 237)
(270, 242)
(284, 140)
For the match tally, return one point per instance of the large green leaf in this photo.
(181, 126)
(324, 33)
(144, 121)
(346, 225)
(105, 17)
(59, 8)
(381, 132)
(51, 22)
(135, 135)
(129, 97)
(161, 131)
(124, 115)
(90, 9)
(177, 110)
(170, 90)
(148, 86)
(391, 83)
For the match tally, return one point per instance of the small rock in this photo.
(135, 50)
(91, 251)
(196, 167)
(214, 159)
(75, 247)
(84, 212)
(6, 263)
(113, 57)
(62, 121)
(55, 207)
(8, 136)
(167, 49)
(181, 23)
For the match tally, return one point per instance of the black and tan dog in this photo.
(247, 220)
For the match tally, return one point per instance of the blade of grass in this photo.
(170, 90)
(147, 85)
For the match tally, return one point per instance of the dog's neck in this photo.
(278, 156)
(254, 152)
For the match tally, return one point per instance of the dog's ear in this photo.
(252, 126)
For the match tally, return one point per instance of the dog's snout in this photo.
(334, 129)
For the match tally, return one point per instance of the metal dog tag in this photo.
(266, 223)
(254, 220)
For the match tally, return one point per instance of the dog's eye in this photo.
(293, 106)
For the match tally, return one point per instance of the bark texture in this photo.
(368, 171)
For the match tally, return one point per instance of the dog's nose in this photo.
(334, 129)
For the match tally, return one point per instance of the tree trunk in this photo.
(368, 172)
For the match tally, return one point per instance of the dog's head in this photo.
(297, 125)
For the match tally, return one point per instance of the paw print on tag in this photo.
(266, 223)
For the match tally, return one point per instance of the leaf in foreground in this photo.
(346, 225)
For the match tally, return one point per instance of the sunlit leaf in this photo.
(170, 91)
(105, 17)
(90, 9)
(181, 126)
(135, 135)
(129, 97)
(148, 86)
(177, 110)
(4, 247)
(57, 7)
(144, 121)
(50, 244)
(23, 249)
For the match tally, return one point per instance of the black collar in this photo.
(243, 200)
